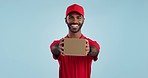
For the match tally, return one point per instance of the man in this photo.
(75, 66)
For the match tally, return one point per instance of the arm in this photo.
(93, 51)
(55, 50)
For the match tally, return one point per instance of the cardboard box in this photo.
(74, 47)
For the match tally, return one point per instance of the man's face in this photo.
(74, 21)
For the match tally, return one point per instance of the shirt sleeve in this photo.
(52, 44)
(94, 43)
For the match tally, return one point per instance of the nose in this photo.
(75, 20)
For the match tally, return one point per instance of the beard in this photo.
(74, 29)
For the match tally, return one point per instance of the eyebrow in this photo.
(78, 15)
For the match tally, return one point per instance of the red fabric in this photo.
(75, 66)
(76, 8)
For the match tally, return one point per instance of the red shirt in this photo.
(75, 66)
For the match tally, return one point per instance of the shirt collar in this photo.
(82, 36)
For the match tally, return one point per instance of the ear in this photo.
(65, 20)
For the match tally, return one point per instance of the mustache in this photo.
(74, 24)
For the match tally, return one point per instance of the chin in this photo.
(74, 31)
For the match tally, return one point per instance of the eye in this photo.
(70, 17)
(79, 17)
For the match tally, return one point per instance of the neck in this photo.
(75, 35)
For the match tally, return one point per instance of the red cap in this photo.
(76, 8)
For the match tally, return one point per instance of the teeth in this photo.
(74, 25)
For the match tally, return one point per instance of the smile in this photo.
(74, 25)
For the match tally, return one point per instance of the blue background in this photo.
(28, 27)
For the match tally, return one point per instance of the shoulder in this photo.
(92, 42)
(57, 41)
(89, 39)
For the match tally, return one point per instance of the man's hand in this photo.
(61, 46)
(58, 49)
(87, 47)
(93, 51)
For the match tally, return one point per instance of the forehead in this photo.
(74, 13)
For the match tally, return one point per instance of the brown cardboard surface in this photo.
(74, 47)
